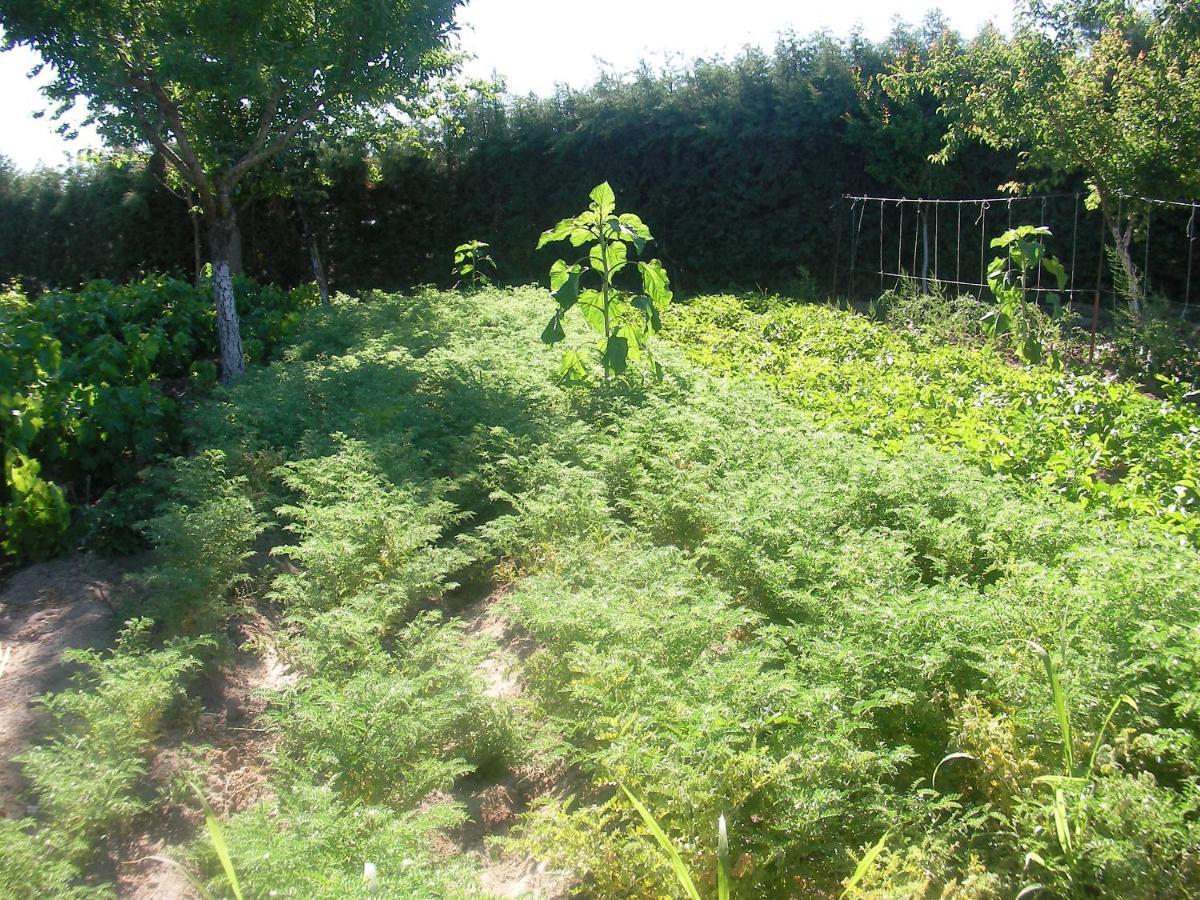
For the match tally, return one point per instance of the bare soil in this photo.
(494, 804)
(233, 766)
(46, 609)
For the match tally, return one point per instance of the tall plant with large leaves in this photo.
(220, 87)
(624, 320)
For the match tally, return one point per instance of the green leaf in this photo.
(945, 759)
(1055, 268)
(723, 883)
(614, 253)
(604, 199)
(615, 354)
(634, 224)
(553, 332)
(655, 282)
(564, 284)
(646, 307)
(1060, 704)
(572, 368)
(864, 864)
(560, 231)
(218, 840)
(591, 304)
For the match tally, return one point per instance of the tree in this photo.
(1109, 89)
(220, 87)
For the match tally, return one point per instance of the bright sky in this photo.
(535, 44)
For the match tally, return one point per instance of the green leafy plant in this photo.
(624, 320)
(469, 261)
(1008, 278)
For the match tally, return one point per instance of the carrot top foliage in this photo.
(730, 604)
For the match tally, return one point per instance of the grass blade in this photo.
(946, 759)
(218, 839)
(1061, 825)
(723, 887)
(681, 872)
(864, 864)
(1060, 705)
(1103, 728)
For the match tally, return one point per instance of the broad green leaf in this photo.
(613, 253)
(646, 307)
(635, 336)
(572, 368)
(604, 199)
(553, 332)
(581, 236)
(560, 231)
(615, 354)
(564, 284)
(636, 225)
(591, 304)
(655, 282)
(1055, 268)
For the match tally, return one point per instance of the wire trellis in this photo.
(1166, 237)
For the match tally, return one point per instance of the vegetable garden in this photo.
(599, 588)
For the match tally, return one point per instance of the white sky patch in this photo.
(537, 44)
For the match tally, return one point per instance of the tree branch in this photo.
(258, 152)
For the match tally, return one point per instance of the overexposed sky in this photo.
(536, 44)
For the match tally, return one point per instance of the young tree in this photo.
(1106, 88)
(220, 87)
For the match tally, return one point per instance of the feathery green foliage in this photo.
(731, 608)
(1099, 442)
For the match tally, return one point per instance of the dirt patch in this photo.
(493, 804)
(44, 610)
(234, 766)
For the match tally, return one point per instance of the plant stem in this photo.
(604, 295)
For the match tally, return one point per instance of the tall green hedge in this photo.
(739, 163)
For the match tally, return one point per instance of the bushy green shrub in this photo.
(95, 384)
(33, 867)
(397, 726)
(312, 843)
(203, 537)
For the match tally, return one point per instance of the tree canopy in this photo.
(218, 87)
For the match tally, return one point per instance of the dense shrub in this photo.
(95, 383)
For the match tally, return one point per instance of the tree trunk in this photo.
(199, 254)
(318, 268)
(223, 237)
(314, 254)
(1122, 233)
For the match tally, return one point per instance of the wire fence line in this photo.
(947, 241)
